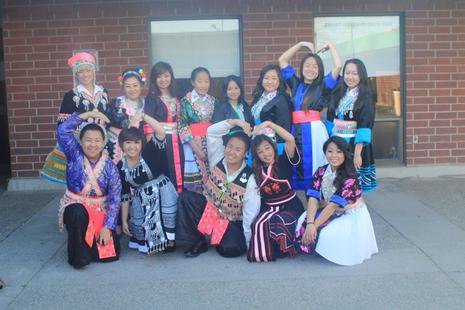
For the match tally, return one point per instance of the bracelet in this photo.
(309, 223)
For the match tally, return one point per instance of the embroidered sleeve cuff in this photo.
(329, 81)
(126, 197)
(338, 200)
(62, 117)
(313, 193)
(363, 135)
(287, 72)
(161, 144)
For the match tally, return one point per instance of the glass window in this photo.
(376, 41)
(186, 44)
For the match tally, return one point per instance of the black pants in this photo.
(190, 209)
(79, 253)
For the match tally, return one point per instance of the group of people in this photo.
(218, 171)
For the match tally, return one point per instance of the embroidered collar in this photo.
(238, 108)
(92, 172)
(130, 109)
(260, 104)
(327, 185)
(352, 92)
(97, 89)
(195, 96)
(267, 175)
(131, 173)
(269, 96)
(329, 171)
(346, 104)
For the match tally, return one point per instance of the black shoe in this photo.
(197, 249)
(171, 248)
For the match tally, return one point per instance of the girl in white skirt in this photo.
(337, 224)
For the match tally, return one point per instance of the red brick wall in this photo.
(39, 36)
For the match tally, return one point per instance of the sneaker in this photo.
(143, 248)
(139, 245)
(133, 245)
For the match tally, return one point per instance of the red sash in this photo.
(199, 129)
(305, 116)
(96, 218)
(95, 207)
(212, 224)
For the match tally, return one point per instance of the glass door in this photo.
(376, 40)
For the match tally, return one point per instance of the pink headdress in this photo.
(79, 61)
(81, 58)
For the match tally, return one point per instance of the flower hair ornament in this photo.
(138, 72)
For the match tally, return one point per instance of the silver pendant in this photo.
(243, 178)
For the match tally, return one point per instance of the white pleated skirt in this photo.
(349, 239)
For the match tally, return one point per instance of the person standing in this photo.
(310, 93)
(196, 112)
(271, 102)
(162, 104)
(232, 103)
(351, 115)
(85, 96)
(126, 111)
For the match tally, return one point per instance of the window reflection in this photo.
(388, 133)
(187, 44)
(376, 41)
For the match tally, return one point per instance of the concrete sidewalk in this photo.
(419, 224)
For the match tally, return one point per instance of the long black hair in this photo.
(257, 164)
(319, 63)
(157, 69)
(364, 89)
(314, 92)
(346, 169)
(258, 90)
(224, 96)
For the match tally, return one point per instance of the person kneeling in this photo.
(148, 194)
(230, 201)
(91, 203)
(337, 224)
(273, 229)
